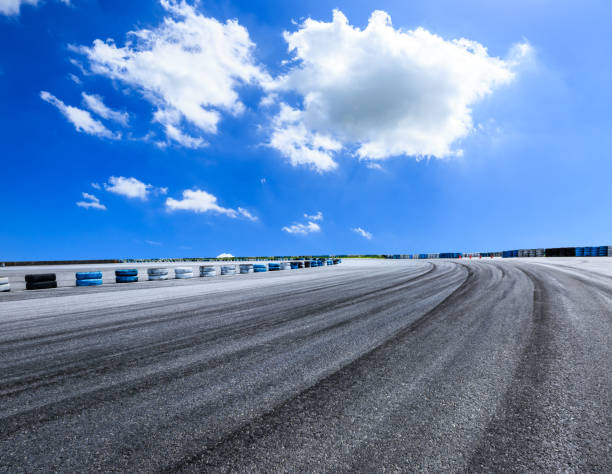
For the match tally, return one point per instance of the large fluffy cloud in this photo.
(190, 68)
(200, 201)
(81, 119)
(380, 91)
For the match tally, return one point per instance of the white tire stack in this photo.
(285, 266)
(228, 269)
(208, 271)
(156, 274)
(4, 284)
(182, 273)
(246, 268)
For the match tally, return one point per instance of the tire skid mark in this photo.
(108, 363)
(264, 423)
(278, 312)
(521, 398)
(78, 403)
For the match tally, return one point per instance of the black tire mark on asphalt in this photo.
(78, 403)
(343, 377)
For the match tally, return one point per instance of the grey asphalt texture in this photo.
(369, 366)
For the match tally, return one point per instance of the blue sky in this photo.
(377, 133)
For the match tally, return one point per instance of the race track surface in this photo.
(488, 366)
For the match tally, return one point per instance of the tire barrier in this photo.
(246, 268)
(157, 277)
(156, 274)
(41, 281)
(88, 275)
(183, 273)
(561, 252)
(88, 278)
(128, 272)
(208, 271)
(259, 268)
(228, 269)
(94, 278)
(602, 251)
(89, 282)
(126, 279)
(128, 275)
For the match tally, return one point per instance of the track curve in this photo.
(471, 366)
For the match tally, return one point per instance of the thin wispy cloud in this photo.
(96, 104)
(81, 119)
(91, 202)
(364, 233)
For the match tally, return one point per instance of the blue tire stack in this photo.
(88, 278)
(580, 251)
(274, 266)
(128, 275)
(294, 266)
(259, 268)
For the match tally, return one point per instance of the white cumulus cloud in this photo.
(364, 233)
(316, 217)
(189, 68)
(197, 200)
(91, 201)
(128, 187)
(81, 119)
(302, 229)
(380, 91)
(96, 104)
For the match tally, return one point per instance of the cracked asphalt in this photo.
(369, 366)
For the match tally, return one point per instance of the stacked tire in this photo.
(294, 265)
(127, 275)
(246, 268)
(156, 274)
(88, 278)
(228, 269)
(183, 273)
(4, 284)
(208, 271)
(259, 268)
(274, 266)
(285, 266)
(41, 281)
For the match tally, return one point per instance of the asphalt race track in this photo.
(489, 365)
